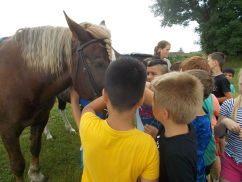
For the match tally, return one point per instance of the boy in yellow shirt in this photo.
(113, 149)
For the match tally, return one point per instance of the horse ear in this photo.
(78, 32)
(103, 23)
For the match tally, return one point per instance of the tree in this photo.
(220, 21)
(181, 50)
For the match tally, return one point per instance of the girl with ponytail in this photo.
(230, 122)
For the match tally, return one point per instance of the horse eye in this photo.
(99, 64)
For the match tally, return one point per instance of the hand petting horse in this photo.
(36, 65)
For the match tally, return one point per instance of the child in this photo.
(202, 125)
(77, 104)
(145, 118)
(177, 99)
(113, 149)
(230, 122)
(206, 152)
(229, 73)
(194, 62)
(175, 66)
(221, 86)
(162, 50)
(156, 67)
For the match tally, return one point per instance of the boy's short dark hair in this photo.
(154, 62)
(158, 62)
(206, 80)
(125, 82)
(219, 56)
(175, 66)
(229, 70)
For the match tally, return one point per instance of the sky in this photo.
(133, 26)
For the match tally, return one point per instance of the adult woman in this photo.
(162, 51)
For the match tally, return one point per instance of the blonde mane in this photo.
(100, 32)
(47, 48)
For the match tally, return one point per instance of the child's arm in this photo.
(148, 97)
(153, 131)
(96, 106)
(75, 106)
(227, 95)
(223, 124)
(216, 105)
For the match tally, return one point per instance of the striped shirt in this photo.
(233, 146)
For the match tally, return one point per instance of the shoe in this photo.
(215, 180)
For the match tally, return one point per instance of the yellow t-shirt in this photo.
(117, 156)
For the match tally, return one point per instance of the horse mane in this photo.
(46, 48)
(100, 32)
(139, 56)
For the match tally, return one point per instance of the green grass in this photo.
(60, 158)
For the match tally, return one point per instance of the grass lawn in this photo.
(60, 157)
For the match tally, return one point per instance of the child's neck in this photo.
(217, 71)
(201, 112)
(173, 129)
(121, 121)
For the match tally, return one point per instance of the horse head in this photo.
(92, 55)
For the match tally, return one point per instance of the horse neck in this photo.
(60, 84)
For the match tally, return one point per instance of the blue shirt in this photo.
(84, 102)
(202, 126)
(232, 88)
(147, 117)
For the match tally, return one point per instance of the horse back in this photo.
(25, 92)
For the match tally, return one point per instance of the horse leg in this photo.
(12, 145)
(47, 133)
(34, 170)
(62, 110)
(66, 121)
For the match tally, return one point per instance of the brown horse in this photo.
(64, 97)
(38, 63)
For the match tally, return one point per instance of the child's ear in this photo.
(105, 97)
(216, 61)
(165, 114)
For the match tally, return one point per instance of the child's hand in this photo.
(232, 125)
(240, 134)
(153, 131)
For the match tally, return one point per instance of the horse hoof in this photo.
(49, 137)
(38, 178)
(72, 130)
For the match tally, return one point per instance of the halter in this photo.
(86, 69)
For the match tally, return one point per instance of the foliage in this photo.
(220, 21)
(181, 50)
(182, 56)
